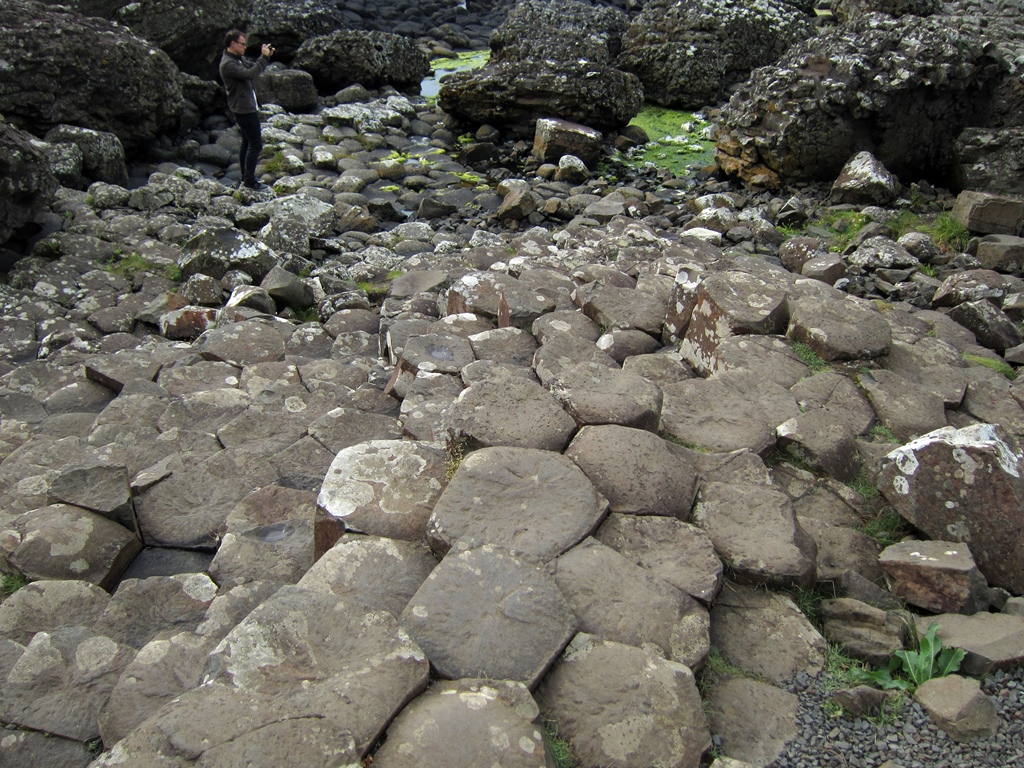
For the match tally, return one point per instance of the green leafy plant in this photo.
(949, 233)
(887, 527)
(134, 263)
(927, 270)
(863, 485)
(809, 357)
(392, 188)
(11, 583)
(880, 433)
(844, 226)
(454, 453)
(1000, 366)
(307, 315)
(908, 670)
(560, 749)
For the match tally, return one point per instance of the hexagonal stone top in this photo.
(536, 502)
(486, 612)
(380, 487)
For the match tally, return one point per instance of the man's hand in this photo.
(268, 50)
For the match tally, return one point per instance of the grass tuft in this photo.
(887, 527)
(863, 485)
(560, 749)
(454, 453)
(134, 264)
(844, 226)
(11, 583)
(882, 434)
(809, 357)
(1000, 366)
(949, 233)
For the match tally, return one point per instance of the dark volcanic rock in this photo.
(26, 183)
(191, 32)
(548, 60)
(92, 74)
(687, 53)
(371, 59)
(902, 89)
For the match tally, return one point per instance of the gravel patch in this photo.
(911, 740)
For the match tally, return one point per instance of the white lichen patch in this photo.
(153, 652)
(476, 700)
(621, 739)
(527, 745)
(95, 654)
(41, 657)
(73, 538)
(198, 586)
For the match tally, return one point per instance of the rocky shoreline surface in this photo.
(471, 445)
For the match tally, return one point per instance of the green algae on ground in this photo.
(431, 86)
(675, 140)
(464, 60)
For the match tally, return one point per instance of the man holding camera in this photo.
(239, 75)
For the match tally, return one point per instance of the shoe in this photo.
(255, 186)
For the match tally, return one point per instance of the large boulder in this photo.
(191, 32)
(688, 53)
(562, 29)
(902, 89)
(548, 60)
(93, 74)
(372, 59)
(26, 182)
(288, 25)
(964, 485)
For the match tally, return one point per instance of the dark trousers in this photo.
(252, 143)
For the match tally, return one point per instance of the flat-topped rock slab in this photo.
(624, 706)
(381, 488)
(464, 724)
(486, 611)
(637, 471)
(616, 599)
(382, 573)
(513, 412)
(765, 634)
(506, 496)
(755, 532)
(594, 394)
(678, 553)
(327, 656)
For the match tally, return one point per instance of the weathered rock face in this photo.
(371, 59)
(286, 26)
(565, 28)
(515, 94)
(848, 10)
(964, 485)
(190, 32)
(873, 84)
(92, 74)
(26, 182)
(687, 53)
(565, 70)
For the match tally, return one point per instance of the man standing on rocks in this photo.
(239, 75)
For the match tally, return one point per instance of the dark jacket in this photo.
(239, 75)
